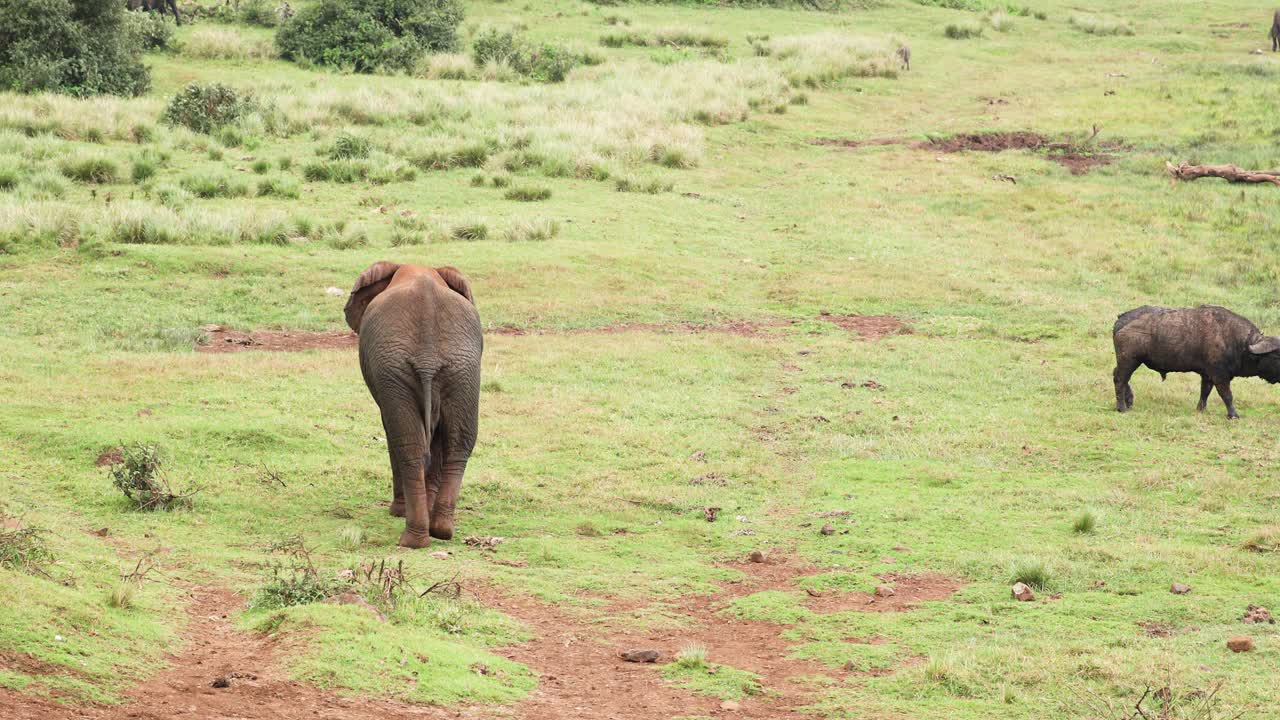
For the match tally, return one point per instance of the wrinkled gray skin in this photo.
(420, 346)
(1211, 341)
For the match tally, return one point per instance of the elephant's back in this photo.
(420, 324)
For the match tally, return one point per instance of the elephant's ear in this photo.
(368, 285)
(456, 281)
(1264, 345)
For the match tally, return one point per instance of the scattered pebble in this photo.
(221, 682)
(336, 292)
(884, 591)
(711, 513)
(901, 548)
(730, 705)
(1022, 592)
(640, 656)
(698, 456)
(1179, 589)
(756, 556)
(1239, 644)
(440, 554)
(828, 529)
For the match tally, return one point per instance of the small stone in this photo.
(730, 706)
(850, 666)
(699, 456)
(901, 548)
(440, 555)
(814, 593)
(756, 556)
(828, 529)
(221, 682)
(335, 292)
(640, 656)
(1239, 644)
(711, 513)
(884, 591)
(1022, 592)
(1179, 589)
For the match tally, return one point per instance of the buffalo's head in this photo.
(1266, 351)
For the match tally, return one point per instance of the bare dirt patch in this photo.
(1078, 157)
(250, 684)
(741, 328)
(224, 340)
(868, 327)
(109, 457)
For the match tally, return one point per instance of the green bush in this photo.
(215, 186)
(280, 186)
(205, 108)
(153, 31)
(370, 35)
(257, 12)
(963, 30)
(347, 146)
(80, 47)
(528, 193)
(545, 62)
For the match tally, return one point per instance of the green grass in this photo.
(685, 189)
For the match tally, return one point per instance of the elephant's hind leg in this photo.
(407, 445)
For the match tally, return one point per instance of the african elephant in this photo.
(156, 6)
(420, 346)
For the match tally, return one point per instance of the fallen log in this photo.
(1230, 173)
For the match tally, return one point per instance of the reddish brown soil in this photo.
(1078, 159)
(222, 340)
(869, 327)
(581, 676)
(213, 649)
(741, 328)
(110, 456)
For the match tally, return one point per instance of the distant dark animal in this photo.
(156, 6)
(1275, 32)
(1211, 341)
(904, 52)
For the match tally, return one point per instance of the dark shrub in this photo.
(541, 61)
(370, 35)
(258, 12)
(81, 47)
(205, 108)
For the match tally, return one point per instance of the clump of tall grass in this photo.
(10, 175)
(963, 30)
(528, 193)
(650, 186)
(546, 62)
(1030, 570)
(44, 185)
(665, 37)
(215, 185)
(72, 118)
(33, 225)
(824, 58)
(999, 21)
(348, 145)
(531, 230)
(93, 169)
(211, 43)
(279, 186)
(691, 657)
(338, 171)
(446, 66)
(1084, 523)
(1099, 25)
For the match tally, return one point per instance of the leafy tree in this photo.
(370, 35)
(81, 47)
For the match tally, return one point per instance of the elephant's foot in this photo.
(397, 508)
(442, 530)
(414, 539)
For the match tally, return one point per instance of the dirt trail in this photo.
(213, 649)
(580, 676)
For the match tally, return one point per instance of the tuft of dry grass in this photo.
(212, 43)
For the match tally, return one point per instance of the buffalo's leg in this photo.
(1205, 386)
(1124, 393)
(1224, 392)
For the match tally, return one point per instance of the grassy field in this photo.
(982, 445)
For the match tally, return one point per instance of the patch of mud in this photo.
(908, 591)
(251, 686)
(1154, 629)
(1077, 157)
(222, 340)
(583, 677)
(868, 327)
(109, 457)
(20, 662)
(741, 328)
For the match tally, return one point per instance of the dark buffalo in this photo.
(156, 6)
(1275, 32)
(1211, 341)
